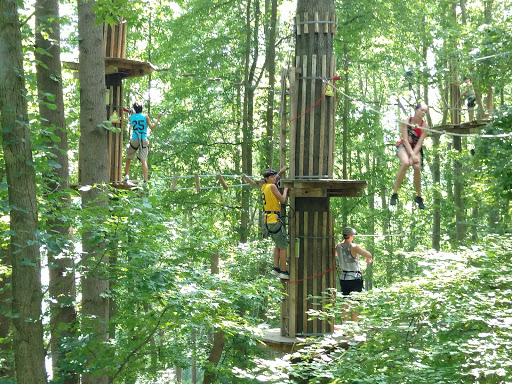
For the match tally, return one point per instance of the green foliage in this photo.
(448, 324)
(440, 321)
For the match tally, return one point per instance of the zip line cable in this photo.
(415, 125)
(331, 84)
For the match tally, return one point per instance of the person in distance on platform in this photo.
(351, 279)
(469, 94)
(273, 223)
(413, 131)
(139, 140)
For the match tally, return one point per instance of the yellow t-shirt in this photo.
(270, 204)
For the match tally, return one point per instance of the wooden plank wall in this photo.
(114, 39)
(115, 46)
(307, 146)
(313, 233)
(311, 154)
(115, 139)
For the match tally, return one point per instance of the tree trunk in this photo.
(346, 104)
(94, 173)
(458, 193)
(270, 33)
(6, 347)
(29, 353)
(218, 337)
(62, 288)
(248, 112)
(311, 157)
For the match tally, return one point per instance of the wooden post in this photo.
(222, 182)
(115, 41)
(311, 158)
(174, 182)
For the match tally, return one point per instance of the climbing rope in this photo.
(311, 277)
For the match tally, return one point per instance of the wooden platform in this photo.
(273, 340)
(325, 187)
(126, 67)
(467, 127)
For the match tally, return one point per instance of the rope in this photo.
(415, 125)
(392, 235)
(310, 277)
(308, 110)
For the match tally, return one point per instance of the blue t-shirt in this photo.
(139, 126)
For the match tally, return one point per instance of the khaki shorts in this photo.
(134, 145)
(280, 236)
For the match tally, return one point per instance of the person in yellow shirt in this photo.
(272, 221)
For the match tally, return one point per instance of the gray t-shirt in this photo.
(347, 262)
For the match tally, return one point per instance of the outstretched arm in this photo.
(153, 126)
(358, 250)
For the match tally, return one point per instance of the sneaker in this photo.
(394, 199)
(126, 178)
(275, 271)
(284, 275)
(419, 200)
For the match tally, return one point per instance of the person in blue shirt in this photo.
(139, 140)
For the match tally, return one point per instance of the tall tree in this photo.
(29, 353)
(6, 369)
(94, 173)
(51, 109)
(251, 59)
(270, 60)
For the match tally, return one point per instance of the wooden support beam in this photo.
(303, 115)
(305, 273)
(293, 121)
(174, 182)
(249, 180)
(222, 182)
(311, 143)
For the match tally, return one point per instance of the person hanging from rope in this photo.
(139, 140)
(410, 152)
(273, 222)
(351, 278)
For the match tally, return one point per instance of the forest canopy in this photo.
(169, 281)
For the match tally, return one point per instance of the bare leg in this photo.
(144, 169)
(349, 311)
(282, 258)
(346, 311)
(404, 164)
(417, 178)
(127, 166)
(276, 257)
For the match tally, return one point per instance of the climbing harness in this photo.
(279, 220)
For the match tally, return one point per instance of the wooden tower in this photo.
(117, 68)
(311, 138)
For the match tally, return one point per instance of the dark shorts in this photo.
(471, 102)
(348, 286)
